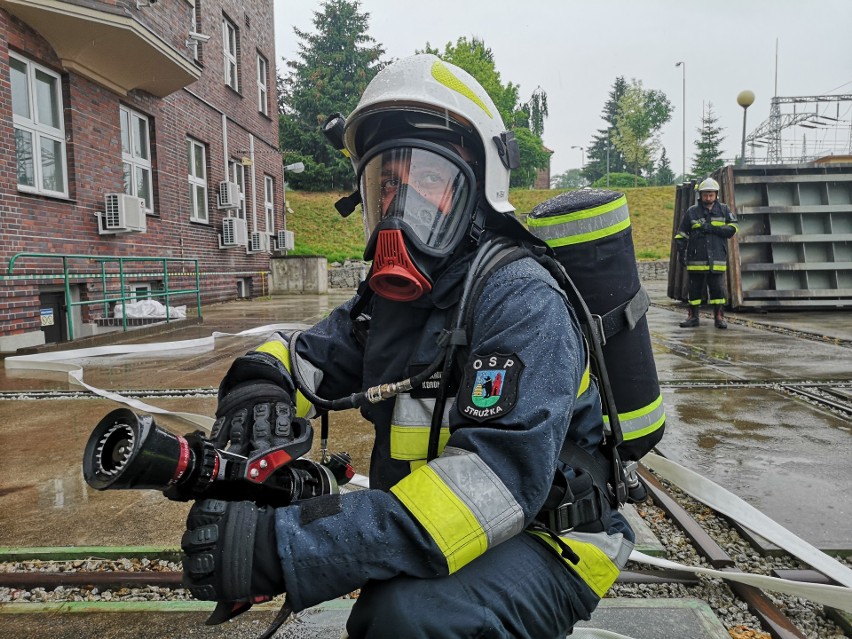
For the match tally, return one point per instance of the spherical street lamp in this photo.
(745, 99)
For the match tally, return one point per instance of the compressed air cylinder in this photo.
(589, 230)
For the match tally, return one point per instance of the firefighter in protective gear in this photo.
(702, 241)
(496, 535)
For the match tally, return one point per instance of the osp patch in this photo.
(489, 387)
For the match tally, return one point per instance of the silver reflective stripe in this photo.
(413, 411)
(616, 547)
(482, 491)
(647, 418)
(581, 226)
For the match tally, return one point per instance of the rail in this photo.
(122, 275)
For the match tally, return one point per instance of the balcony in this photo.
(105, 44)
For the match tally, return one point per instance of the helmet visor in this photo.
(426, 191)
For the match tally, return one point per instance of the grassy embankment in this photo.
(320, 230)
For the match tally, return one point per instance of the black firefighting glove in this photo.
(681, 257)
(230, 552)
(252, 417)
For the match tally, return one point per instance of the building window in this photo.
(39, 128)
(262, 85)
(238, 175)
(197, 167)
(136, 155)
(269, 202)
(139, 292)
(230, 38)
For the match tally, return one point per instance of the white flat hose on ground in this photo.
(698, 487)
(729, 504)
(64, 362)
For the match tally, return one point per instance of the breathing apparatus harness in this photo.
(513, 244)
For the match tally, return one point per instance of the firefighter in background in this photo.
(495, 536)
(702, 242)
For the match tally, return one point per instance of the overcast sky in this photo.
(575, 49)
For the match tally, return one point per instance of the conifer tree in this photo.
(335, 63)
(708, 157)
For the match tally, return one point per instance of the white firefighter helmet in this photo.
(708, 184)
(422, 96)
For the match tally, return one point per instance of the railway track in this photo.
(692, 533)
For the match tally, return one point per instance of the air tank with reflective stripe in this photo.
(589, 230)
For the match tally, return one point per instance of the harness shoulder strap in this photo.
(596, 334)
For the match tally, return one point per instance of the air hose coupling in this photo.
(382, 392)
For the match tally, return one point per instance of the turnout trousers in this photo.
(519, 589)
(711, 281)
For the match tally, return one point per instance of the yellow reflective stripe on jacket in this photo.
(585, 226)
(642, 421)
(462, 504)
(595, 567)
(586, 378)
(280, 352)
(410, 425)
(409, 443)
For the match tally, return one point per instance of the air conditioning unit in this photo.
(123, 213)
(229, 195)
(234, 232)
(286, 240)
(258, 243)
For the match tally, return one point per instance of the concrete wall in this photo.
(350, 274)
(299, 274)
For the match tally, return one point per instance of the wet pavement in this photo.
(729, 418)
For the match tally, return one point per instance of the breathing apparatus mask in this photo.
(419, 199)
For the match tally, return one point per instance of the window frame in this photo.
(137, 162)
(38, 131)
(196, 182)
(262, 85)
(237, 172)
(230, 50)
(269, 202)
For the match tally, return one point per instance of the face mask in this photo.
(418, 199)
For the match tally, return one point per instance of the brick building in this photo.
(133, 129)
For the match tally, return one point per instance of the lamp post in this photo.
(683, 151)
(582, 156)
(608, 132)
(295, 167)
(745, 99)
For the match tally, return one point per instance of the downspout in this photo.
(253, 186)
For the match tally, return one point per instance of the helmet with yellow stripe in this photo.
(426, 98)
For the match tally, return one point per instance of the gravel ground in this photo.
(731, 611)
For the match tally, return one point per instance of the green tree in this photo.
(664, 174)
(571, 179)
(602, 148)
(333, 68)
(525, 120)
(641, 113)
(708, 157)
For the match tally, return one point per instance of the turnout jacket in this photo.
(524, 392)
(704, 235)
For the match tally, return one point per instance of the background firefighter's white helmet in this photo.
(708, 184)
(434, 94)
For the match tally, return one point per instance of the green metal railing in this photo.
(123, 298)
